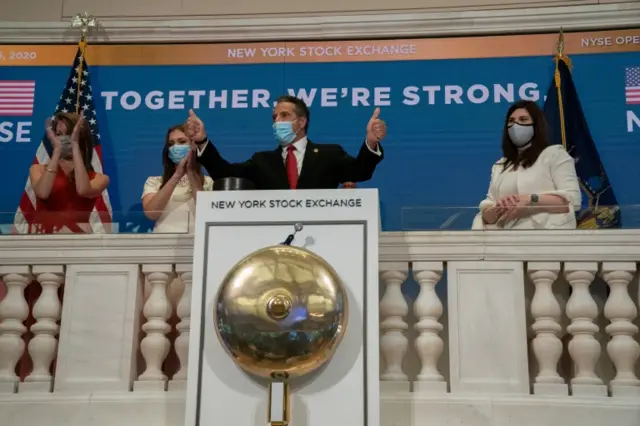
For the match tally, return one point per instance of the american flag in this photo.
(632, 85)
(76, 96)
(17, 97)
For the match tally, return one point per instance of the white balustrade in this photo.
(584, 348)
(428, 309)
(13, 312)
(182, 341)
(546, 313)
(455, 352)
(44, 344)
(393, 340)
(620, 309)
(157, 310)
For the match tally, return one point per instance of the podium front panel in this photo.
(342, 227)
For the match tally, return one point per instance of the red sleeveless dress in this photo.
(63, 208)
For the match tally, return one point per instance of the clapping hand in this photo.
(51, 135)
(195, 128)
(192, 164)
(376, 129)
(181, 169)
(75, 135)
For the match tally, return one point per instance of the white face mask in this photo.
(66, 151)
(521, 134)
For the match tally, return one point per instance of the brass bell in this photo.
(280, 313)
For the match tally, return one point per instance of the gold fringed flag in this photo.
(568, 126)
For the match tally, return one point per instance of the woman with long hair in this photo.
(534, 185)
(66, 187)
(169, 199)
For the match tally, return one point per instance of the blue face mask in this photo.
(178, 152)
(283, 132)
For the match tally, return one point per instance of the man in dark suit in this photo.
(297, 163)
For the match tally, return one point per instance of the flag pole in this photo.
(560, 45)
(560, 56)
(84, 22)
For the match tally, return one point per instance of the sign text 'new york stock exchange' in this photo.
(301, 203)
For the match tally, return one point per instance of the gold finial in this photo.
(84, 22)
(561, 42)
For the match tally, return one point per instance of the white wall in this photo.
(56, 10)
(46, 21)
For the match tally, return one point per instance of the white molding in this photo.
(414, 398)
(406, 409)
(439, 246)
(335, 26)
(95, 249)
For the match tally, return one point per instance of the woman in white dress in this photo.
(169, 199)
(534, 185)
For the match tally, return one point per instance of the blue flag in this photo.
(568, 126)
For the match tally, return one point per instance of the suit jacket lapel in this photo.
(279, 170)
(308, 163)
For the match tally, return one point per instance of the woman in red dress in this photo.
(67, 187)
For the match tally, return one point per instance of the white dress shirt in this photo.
(301, 147)
(178, 215)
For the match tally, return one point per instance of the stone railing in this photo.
(480, 328)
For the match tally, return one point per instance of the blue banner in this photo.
(444, 117)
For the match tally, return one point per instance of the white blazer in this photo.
(554, 172)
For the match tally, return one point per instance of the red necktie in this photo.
(292, 167)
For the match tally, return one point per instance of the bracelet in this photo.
(49, 170)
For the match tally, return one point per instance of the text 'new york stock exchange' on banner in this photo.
(444, 101)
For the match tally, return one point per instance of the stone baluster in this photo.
(43, 347)
(14, 310)
(620, 309)
(179, 380)
(584, 348)
(155, 345)
(393, 327)
(428, 309)
(546, 313)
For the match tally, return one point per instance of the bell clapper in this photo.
(297, 228)
(278, 401)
